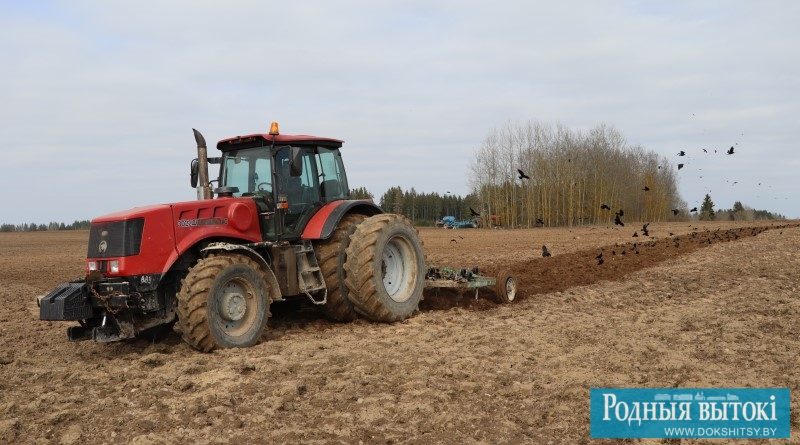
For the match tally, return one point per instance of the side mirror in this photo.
(296, 164)
(194, 168)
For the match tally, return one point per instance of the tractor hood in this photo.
(148, 240)
(136, 212)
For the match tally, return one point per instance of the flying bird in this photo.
(730, 151)
(522, 174)
(680, 166)
(675, 211)
(694, 209)
(539, 221)
(682, 153)
(617, 221)
(646, 189)
(604, 207)
(473, 212)
(706, 151)
(545, 252)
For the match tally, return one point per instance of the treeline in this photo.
(33, 227)
(425, 209)
(361, 193)
(572, 173)
(741, 212)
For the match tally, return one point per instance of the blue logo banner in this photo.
(697, 413)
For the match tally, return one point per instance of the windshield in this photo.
(249, 169)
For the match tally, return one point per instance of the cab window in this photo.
(332, 180)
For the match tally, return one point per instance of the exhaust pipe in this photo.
(204, 192)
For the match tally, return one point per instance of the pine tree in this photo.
(707, 209)
(360, 193)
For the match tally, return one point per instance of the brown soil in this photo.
(724, 313)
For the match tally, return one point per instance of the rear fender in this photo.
(269, 275)
(324, 222)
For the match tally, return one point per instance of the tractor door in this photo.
(302, 193)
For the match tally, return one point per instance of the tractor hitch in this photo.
(98, 305)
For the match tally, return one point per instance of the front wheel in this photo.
(223, 303)
(385, 268)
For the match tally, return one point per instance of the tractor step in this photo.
(311, 281)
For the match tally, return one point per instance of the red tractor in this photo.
(281, 225)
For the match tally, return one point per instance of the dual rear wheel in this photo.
(385, 268)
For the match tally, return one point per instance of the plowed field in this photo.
(713, 304)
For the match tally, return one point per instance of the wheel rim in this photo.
(397, 269)
(236, 307)
(511, 289)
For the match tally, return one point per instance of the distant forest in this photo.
(572, 174)
(33, 227)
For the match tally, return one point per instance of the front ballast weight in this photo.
(504, 286)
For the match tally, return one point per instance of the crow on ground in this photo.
(646, 189)
(636, 234)
(545, 252)
(617, 221)
(621, 212)
(645, 232)
(599, 259)
(604, 207)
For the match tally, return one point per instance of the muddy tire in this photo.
(505, 289)
(223, 303)
(331, 255)
(385, 268)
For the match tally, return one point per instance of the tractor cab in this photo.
(289, 176)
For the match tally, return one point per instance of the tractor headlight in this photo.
(92, 265)
(113, 266)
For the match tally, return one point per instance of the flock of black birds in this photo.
(619, 214)
(730, 234)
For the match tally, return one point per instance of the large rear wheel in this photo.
(385, 268)
(331, 255)
(223, 303)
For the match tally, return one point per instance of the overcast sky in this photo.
(99, 98)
